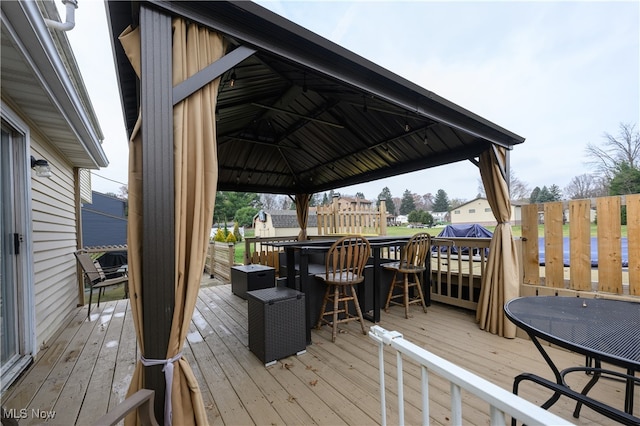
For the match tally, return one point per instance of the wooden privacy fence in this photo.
(358, 219)
(608, 275)
(220, 258)
(257, 251)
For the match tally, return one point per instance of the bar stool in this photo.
(412, 263)
(345, 264)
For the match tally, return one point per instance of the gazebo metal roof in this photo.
(297, 113)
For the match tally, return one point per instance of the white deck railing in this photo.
(501, 402)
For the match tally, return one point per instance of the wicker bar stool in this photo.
(345, 264)
(412, 263)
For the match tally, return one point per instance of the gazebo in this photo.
(230, 96)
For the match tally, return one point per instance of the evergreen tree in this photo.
(244, 216)
(236, 232)
(420, 216)
(534, 195)
(556, 194)
(325, 200)
(441, 202)
(228, 203)
(407, 205)
(544, 196)
(386, 195)
(625, 181)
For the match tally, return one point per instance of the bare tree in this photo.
(623, 149)
(270, 201)
(518, 189)
(124, 192)
(396, 203)
(585, 186)
(456, 202)
(427, 200)
(418, 201)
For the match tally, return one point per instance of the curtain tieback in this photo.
(168, 380)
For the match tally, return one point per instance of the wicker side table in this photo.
(246, 278)
(276, 323)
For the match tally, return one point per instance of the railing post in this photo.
(382, 217)
(247, 251)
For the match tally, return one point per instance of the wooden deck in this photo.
(87, 368)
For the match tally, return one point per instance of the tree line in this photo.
(615, 165)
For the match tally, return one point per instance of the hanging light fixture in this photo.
(425, 141)
(232, 80)
(42, 167)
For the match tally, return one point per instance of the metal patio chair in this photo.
(96, 277)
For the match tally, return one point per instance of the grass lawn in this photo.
(115, 292)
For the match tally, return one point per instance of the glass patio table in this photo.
(604, 330)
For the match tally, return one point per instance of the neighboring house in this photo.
(104, 221)
(351, 204)
(439, 217)
(46, 117)
(479, 211)
(517, 212)
(282, 223)
(402, 219)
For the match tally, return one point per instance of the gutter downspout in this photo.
(71, 5)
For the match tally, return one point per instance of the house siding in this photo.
(283, 224)
(104, 222)
(85, 186)
(478, 211)
(54, 241)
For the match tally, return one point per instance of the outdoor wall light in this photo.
(42, 167)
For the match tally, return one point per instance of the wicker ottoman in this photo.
(276, 323)
(246, 278)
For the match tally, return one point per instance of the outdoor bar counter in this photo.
(304, 259)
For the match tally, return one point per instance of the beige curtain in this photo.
(500, 280)
(302, 212)
(130, 40)
(196, 175)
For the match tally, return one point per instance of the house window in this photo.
(456, 212)
(472, 210)
(488, 209)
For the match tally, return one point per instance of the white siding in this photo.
(478, 211)
(475, 211)
(85, 186)
(54, 241)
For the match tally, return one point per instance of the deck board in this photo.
(99, 391)
(88, 366)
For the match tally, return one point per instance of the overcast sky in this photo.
(560, 74)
